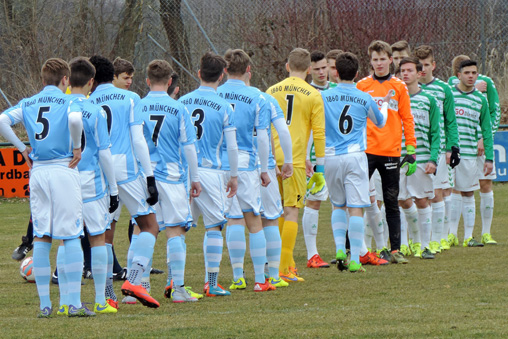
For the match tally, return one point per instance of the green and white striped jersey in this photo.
(471, 112)
(426, 116)
(442, 92)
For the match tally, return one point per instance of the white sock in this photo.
(425, 224)
(468, 213)
(310, 221)
(403, 227)
(455, 211)
(368, 235)
(412, 222)
(438, 210)
(446, 223)
(386, 234)
(486, 210)
(376, 225)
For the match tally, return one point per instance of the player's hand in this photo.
(153, 193)
(309, 168)
(409, 160)
(232, 187)
(113, 203)
(76, 152)
(265, 179)
(481, 86)
(481, 148)
(488, 167)
(287, 171)
(317, 181)
(25, 154)
(278, 173)
(454, 157)
(195, 190)
(448, 156)
(430, 168)
(389, 95)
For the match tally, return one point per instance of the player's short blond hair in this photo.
(424, 52)
(400, 46)
(299, 60)
(379, 46)
(333, 54)
(159, 72)
(54, 70)
(237, 61)
(456, 63)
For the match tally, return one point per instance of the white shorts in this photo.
(173, 206)
(347, 176)
(249, 191)
(115, 216)
(233, 209)
(376, 186)
(211, 202)
(271, 204)
(418, 185)
(442, 178)
(55, 202)
(133, 195)
(466, 176)
(319, 196)
(481, 162)
(96, 215)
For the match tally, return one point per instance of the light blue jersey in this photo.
(252, 112)
(346, 112)
(275, 113)
(95, 137)
(119, 107)
(166, 126)
(211, 116)
(45, 116)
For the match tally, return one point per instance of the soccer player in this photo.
(449, 147)
(303, 110)
(137, 192)
(213, 121)
(419, 186)
(168, 129)
(124, 72)
(95, 167)
(400, 50)
(384, 144)
(346, 166)
(53, 124)
(331, 56)
(472, 113)
(485, 85)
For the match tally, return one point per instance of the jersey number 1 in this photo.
(289, 112)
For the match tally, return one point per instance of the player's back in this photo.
(211, 116)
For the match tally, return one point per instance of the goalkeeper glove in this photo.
(153, 194)
(113, 203)
(409, 160)
(455, 157)
(317, 180)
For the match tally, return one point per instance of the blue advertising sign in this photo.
(500, 147)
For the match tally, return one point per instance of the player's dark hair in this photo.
(316, 56)
(123, 66)
(424, 52)
(456, 63)
(104, 69)
(54, 70)
(174, 83)
(237, 61)
(379, 46)
(347, 66)
(400, 46)
(467, 63)
(411, 60)
(211, 67)
(159, 72)
(81, 71)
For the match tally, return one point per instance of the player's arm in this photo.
(434, 130)
(376, 115)
(188, 141)
(494, 106)
(75, 123)
(232, 149)
(106, 160)
(407, 118)
(486, 128)
(9, 118)
(450, 121)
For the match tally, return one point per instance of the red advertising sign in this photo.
(14, 174)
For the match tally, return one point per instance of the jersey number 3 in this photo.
(200, 114)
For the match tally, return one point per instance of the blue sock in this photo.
(273, 248)
(339, 228)
(99, 269)
(130, 252)
(204, 255)
(257, 247)
(42, 271)
(62, 278)
(110, 292)
(214, 245)
(168, 262)
(356, 230)
(235, 239)
(74, 270)
(177, 260)
(143, 251)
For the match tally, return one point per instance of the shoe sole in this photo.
(143, 301)
(318, 266)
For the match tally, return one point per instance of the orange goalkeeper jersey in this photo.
(386, 141)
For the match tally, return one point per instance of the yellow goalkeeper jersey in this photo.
(304, 111)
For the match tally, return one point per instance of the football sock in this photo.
(438, 211)
(204, 256)
(273, 248)
(363, 250)
(468, 213)
(386, 233)
(99, 268)
(130, 252)
(310, 221)
(168, 262)
(62, 278)
(145, 278)
(448, 209)
(235, 239)
(355, 237)
(74, 270)
(214, 245)
(177, 260)
(42, 271)
(368, 235)
(486, 210)
(425, 225)
(411, 214)
(257, 247)
(110, 292)
(288, 239)
(455, 211)
(143, 252)
(281, 224)
(376, 224)
(339, 228)
(403, 227)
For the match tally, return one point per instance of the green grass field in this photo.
(462, 293)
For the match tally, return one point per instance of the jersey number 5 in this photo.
(45, 123)
(345, 121)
